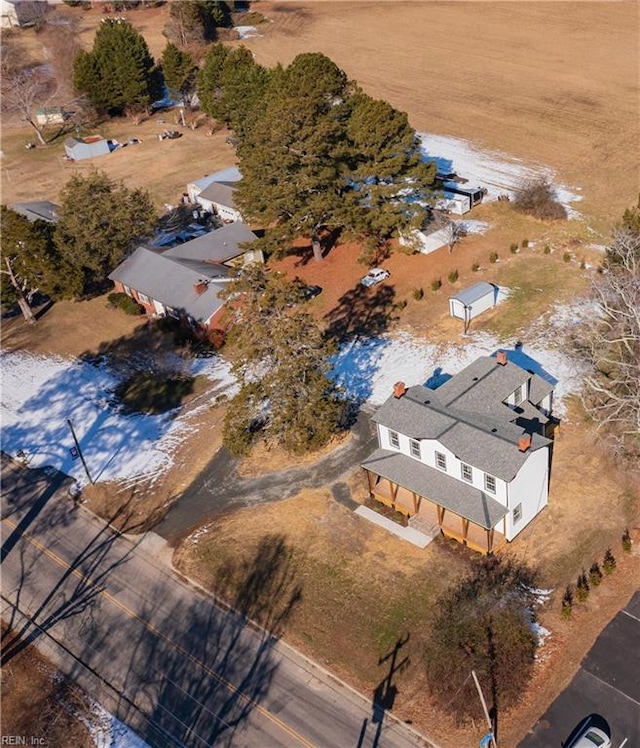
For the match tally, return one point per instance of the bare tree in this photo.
(538, 198)
(453, 232)
(22, 291)
(612, 344)
(23, 89)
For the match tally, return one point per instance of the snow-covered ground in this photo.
(108, 732)
(367, 368)
(498, 172)
(39, 394)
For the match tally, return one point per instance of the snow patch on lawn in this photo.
(246, 32)
(39, 394)
(498, 172)
(367, 368)
(108, 732)
(472, 226)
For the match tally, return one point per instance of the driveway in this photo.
(219, 489)
(607, 685)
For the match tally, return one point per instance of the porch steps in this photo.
(410, 534)
(424, 526)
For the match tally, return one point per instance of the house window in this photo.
(415, 448)
(490, 483)
(441, 461)
(466, 472)
(143, 299)
(517, 514)
(127, 290)
(520, 394)
(394, 439)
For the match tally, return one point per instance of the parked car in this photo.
(375, 276)
(310, 292)
(590, 737)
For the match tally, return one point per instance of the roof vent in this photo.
(524, 442)
(200, 286)
(494, 431)
(399, 389)
(501, 358)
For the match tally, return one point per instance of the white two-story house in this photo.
(472, 456)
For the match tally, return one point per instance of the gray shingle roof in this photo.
(39, 210)
(169, 282)
(432, 484)
(218, 246)
(220, 192)
(473, 293)
(467, 415)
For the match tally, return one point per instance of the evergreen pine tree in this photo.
(179, 72)
(100, 222)
(119, 72)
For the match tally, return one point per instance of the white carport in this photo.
(472, 301)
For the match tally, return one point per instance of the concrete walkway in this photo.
(406, 533)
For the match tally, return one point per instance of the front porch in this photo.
(452, 525)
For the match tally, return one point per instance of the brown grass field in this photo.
(548, 82)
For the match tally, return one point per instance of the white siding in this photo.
(457, 308)
(428, 449)
(529, 488)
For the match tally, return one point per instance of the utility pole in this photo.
(77, 443)
(484, 708)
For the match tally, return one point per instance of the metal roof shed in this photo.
(472, 301)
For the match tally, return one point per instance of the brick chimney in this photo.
(524, 442)
(200, 286)
(501, 358)
(399, 389)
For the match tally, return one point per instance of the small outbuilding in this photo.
(472, 301)
(50, 115)
(81, 148)
(39, 210)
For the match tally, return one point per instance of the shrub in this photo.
(567, 256)
(475, 267)
(626, 541)
(401, 304)
(453, 276)
(418, 293)
(582, 588)
(525, 243)
(493, 257)
(436, 284)
(513, 248)
(537, 198)
(583, 265)
(609, 562)
(124, 302)
(567, 602)
(547, 249)
(595, 574)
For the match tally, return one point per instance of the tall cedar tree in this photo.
(119, 72)
(281, 361)
(319, 155)
(100, 223)
(231, 87)
(29, 261)
(179, 72)
(389, 179)
(483, 623)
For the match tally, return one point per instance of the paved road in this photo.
(219, 488)
(607, 685)
(159, 654)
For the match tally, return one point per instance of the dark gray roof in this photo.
(217, 246)
(468, 295)
(170, 282)
(220, 192)
(461, 498)
(40, 210)
(467, 415)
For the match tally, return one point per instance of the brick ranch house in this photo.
(184, 282)
(471, 458)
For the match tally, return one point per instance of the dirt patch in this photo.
(38, 703)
